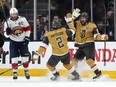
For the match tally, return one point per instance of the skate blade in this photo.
(101, 78)
(55, 78)
(72, 78)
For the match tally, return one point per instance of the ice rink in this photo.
(44, 81)
(47, 79)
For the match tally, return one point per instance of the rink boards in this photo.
(38, 68)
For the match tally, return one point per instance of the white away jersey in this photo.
(20, 28)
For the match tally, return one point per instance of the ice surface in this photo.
(47, 79)
(44, 81)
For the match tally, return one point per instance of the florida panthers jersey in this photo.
(19, 29)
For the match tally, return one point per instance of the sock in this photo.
(15, 67)
(55, 72)
(95, 69)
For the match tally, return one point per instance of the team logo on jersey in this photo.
(17, 31)
(20, 23)
(87, 28)
(82, 33)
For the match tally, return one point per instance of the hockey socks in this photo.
(56, 75)
(15, 75)
(27, 74)
(96, 71)
(75, 75)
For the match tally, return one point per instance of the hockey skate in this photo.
(76, 76)
(55, 77)
(98, 77)
(15, 76)
(27, 74)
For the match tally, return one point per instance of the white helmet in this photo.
(13, 11)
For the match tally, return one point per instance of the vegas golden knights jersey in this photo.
(58, 40)
(84, 34)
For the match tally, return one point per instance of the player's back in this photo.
(58, 40)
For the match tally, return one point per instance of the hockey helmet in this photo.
(13, 11)
(84, 14)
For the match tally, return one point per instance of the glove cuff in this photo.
(68, 20)
(8, 31)
(104, 37)
(36, 53)
(35, 56)
(75, 16)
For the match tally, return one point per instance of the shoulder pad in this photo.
(46, 34)
(94, 25)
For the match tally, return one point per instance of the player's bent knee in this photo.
(25, 59)
(68, 66)
(75, 62)
(15, 60)
(90, 62)
(51, 68)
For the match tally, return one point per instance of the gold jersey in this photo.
(58, 40)
(84, 34)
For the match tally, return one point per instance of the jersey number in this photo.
(59, 41)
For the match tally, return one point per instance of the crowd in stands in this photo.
(103, 15)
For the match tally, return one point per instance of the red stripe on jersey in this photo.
(93, 66)
(27, 28)
(43, 47)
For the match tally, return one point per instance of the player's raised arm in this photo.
(41, 49)
(69, 18)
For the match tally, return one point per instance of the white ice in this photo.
(44, 81)
(47, 79)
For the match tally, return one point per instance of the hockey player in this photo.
(58, 40)
(18, 30)
(86, 33)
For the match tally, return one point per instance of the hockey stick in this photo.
(4, 14)
(10, 69)
(104, 53)
(13, 68)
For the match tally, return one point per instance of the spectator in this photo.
(46, 28)
(40, 30)
(100, 26)
(110, 18)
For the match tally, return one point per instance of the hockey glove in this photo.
(26, 40)
(8, 31)
(36, 56)
(75, 13)
(68, 18)
(104, 37)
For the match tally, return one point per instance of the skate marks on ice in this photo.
(22, 79)
(35, 79)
